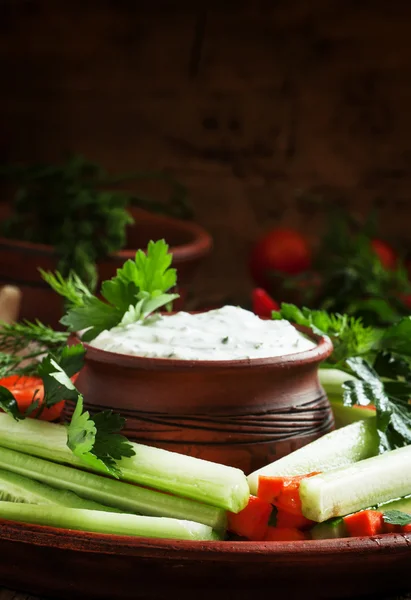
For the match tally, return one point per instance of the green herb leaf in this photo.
(397, 517)
(348, 334)
(138, 289)
(72, 288)
(391, 400)
(9, 404)
(56, 377)
(96, 440)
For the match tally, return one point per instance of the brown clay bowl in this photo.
(64, 565)
(19, 260)
(244, 413)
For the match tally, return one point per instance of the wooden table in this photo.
(10, 595)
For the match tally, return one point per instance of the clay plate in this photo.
(65, 565)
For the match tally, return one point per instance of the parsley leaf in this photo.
(56, 376)
(390, 398)
(397, 517)
(9, 405)
(96, 440)
(348, 334)
(138, 289)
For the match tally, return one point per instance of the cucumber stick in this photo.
(336, 449)
(16, 488)
(219, 485)
(106, 522)
(332, 381)
(402, 504)
(345, 415)
(349, 489)
(109, 492)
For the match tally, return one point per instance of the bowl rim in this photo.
(80, 540)
(320, 352)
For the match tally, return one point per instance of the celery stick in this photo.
(17, 488)
(110, 492)
(336, 449)
(106, 522)
(205, 481)
(353, 488)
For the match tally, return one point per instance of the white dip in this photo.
(224, 334)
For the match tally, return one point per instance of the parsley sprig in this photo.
(139, 288)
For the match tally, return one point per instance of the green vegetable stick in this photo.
(201, 480)
(109, 492)
(336, 449)
(17, 488)
(106, 522)
(353, 488)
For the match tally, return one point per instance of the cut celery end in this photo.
(336, 449)
(212, 483)
(350, 489)
(110, 492)
(345, 415)
(17, 488)
(332, 529)
(106, 522)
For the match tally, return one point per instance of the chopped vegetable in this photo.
(358, 486)
(366, 522)
(109, 492)
(27, 389)
(285, 519)
(187, 476)
(336, 449)
(106, 522)
(252, 521)
(331, 529)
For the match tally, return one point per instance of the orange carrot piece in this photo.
(284, 534)
(388, 528)
(365, 522)
(269, 488)
(406, 529)
(285, 520)
(252, 521)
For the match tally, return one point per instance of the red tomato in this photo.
(283, 250)
(385, 253)
(23, 389)
(263, 304)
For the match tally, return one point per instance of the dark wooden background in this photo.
(260, 107)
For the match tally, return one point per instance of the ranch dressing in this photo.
(226, 333)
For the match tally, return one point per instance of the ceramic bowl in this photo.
(243, 413)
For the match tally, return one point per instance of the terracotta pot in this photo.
(19, 261)
(68, 564)
(243, 413)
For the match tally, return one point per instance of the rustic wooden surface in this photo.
(10, 595)
(261, 108)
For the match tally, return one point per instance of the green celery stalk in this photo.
(106, 522)
(110, 492)
(349, 489)
(212, 483)
(344, 415)
(17, 488)
(335, 449)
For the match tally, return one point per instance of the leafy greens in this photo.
(380, 361)
(138, 289)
